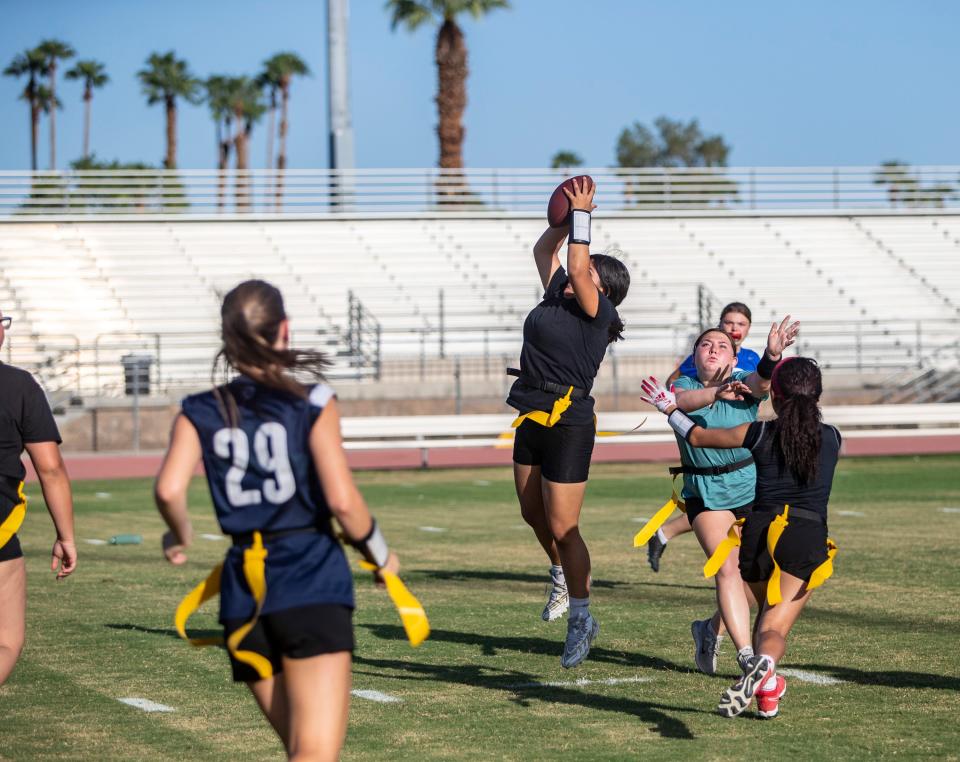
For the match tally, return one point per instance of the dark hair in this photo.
(699, 338)
(250, 319)
(615, 279)
(738, 307)
(798, 384)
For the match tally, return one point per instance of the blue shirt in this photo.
(726, 491)
(262, 477)
(747, 360)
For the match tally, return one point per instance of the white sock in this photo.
(556, 573)
(743, 655)
(579, 607)
(771, 682)
(662, 536)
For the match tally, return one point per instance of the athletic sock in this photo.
(661, 536)
(771, 682)
(579, 607)
(744, 655)
(556, 574)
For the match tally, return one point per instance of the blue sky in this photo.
(822, 82)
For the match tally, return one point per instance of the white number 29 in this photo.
(270, 448)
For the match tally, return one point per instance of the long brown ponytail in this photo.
(251, 315)
(797, 385)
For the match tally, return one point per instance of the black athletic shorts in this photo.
(695, 507)
(801, 548)
(295, 633)
(563, 452)
(8, 499)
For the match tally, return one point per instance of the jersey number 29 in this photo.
(270, 448)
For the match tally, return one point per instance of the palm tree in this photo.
(31, 64)
(218, 89)
(282, 68)
(93, 75)
(165, 79)
(269, 81)
(247, 106)
(451, 58)
(54, 51)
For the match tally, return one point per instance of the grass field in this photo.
(885, 626)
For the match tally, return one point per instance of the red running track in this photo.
(123, 466)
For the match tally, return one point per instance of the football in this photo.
(558, 207)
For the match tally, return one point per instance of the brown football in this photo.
(558, 207)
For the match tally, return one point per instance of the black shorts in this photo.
(801, 548)
(563, 452)
(8, 499)
(295, 633)
(695, 506)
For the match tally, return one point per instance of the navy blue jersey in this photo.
(747, 360)
(262, 477)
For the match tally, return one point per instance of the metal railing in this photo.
(201, 192)
(175, 362)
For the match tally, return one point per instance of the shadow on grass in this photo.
(168, 631)
(460, 575)
(886, 679)
(490, 645)
(527, 688)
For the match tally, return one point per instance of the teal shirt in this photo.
(726, 491)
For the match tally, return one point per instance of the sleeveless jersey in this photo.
(262, 477)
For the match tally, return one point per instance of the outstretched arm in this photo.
(664, 400)
(780, 337)
(578, 250)
(546, 252)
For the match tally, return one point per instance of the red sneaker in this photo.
(768, 702)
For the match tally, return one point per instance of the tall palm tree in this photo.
(54, 51)
(32, 65)
(218, 89)
(283, 67)
(165, 79)
(247, 106)
(451, 58)
(93, 75)
(269, 80)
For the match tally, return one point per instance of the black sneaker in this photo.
(655, 549)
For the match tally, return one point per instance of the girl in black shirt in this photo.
(27, 423)
(565, 338)
(784, 548)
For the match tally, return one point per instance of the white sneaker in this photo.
(581, 633)
(557, 603)
(706, 646)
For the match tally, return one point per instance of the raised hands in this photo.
(658, 395)
(582, 198)
(781, 336)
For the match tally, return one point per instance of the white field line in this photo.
(102, 495)
(383, 698)
(809, 677)
(950, 510)
(146, 705)
(432, 529)
(580, 682)
(94, 541)
(851, 513)
(640, 519)
(482, 483)
(213, 537)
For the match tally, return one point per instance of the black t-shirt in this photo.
(25, 417)
(562, 345)
(776, 484)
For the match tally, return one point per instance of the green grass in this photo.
(886, 625)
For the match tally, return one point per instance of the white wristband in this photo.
(375, 547)
(580, 226)
(681, 423)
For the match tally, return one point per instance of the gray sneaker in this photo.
(557, 603)
(706, 646)
(581, 633)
